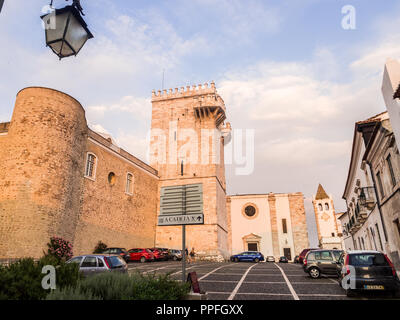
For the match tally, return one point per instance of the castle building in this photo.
(329, 235)
(189, 124)
(60, 178)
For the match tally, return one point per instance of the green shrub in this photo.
(71, 293)
(117, 286)
(100, 247)
(22, 280)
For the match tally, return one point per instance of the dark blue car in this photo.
(248, 256)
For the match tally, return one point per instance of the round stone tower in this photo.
(41, 171)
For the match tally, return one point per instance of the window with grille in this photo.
(90, 165)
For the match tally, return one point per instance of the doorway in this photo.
(252, 246)
(287, 253)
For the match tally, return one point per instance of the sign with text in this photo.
(181, 205)
(181, 219)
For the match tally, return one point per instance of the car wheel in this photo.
(142, 259)
(350, 293)
(314, 273)
(256, 260)
(236, 260)
(174, 258)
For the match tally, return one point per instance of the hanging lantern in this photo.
(66, 31)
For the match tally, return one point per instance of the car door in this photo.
(89, 265)
(133, 254)
(327, 263)
(101, 267)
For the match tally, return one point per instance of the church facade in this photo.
(60, 178)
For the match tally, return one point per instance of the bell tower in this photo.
(187, 147)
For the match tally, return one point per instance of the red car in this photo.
(142, 255)
(159, 254)
(303, 254)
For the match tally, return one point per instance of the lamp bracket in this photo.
(75, 3)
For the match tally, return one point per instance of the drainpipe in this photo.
(378, 201)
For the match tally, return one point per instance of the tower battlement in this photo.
(185, 92)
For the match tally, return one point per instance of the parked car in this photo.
(158, 254)
(304, 252)
(270, 259)
(367, 271)
(254, 256)
(97, 263)
(283, 259)
(175, 254)
(296, 259)
(318, 262)
(119, 251)
(142, 255)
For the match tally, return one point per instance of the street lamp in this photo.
(66, 31)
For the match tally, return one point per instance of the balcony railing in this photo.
(367, 197)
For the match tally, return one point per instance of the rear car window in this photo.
(115, 262)
(326, 255)
(337, 254)
(368, 259)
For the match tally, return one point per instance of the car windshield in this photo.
(368, 259)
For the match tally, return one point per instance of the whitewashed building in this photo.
(273, 224)
(372, 190)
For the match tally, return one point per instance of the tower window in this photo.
(320, 207)
(91, 163)
(129, 184)
(326, 206)
(284, 226)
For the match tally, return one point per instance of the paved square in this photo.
(251, 281)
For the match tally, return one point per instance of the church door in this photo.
(251, 246)
(287, 253)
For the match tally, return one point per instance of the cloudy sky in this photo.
(286, 69)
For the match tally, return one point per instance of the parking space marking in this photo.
(156, 269)
(240, 283)
(334, 281)
(321, 295)
(211, 272)
(294, 294)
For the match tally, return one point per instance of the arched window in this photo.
(129, 184)
(320, 207)
(326, 206)
(91, 163)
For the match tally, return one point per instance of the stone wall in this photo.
(43, 191)
(40, 171)
(299, 223)
(108, 212)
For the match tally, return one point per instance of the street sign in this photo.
(180, 219)
(179, 200)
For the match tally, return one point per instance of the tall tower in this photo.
(327, 227)
(187, 147)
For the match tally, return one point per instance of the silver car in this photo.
(270, 259)
(98, 263)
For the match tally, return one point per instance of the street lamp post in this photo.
(1, 4)
(66, 31)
